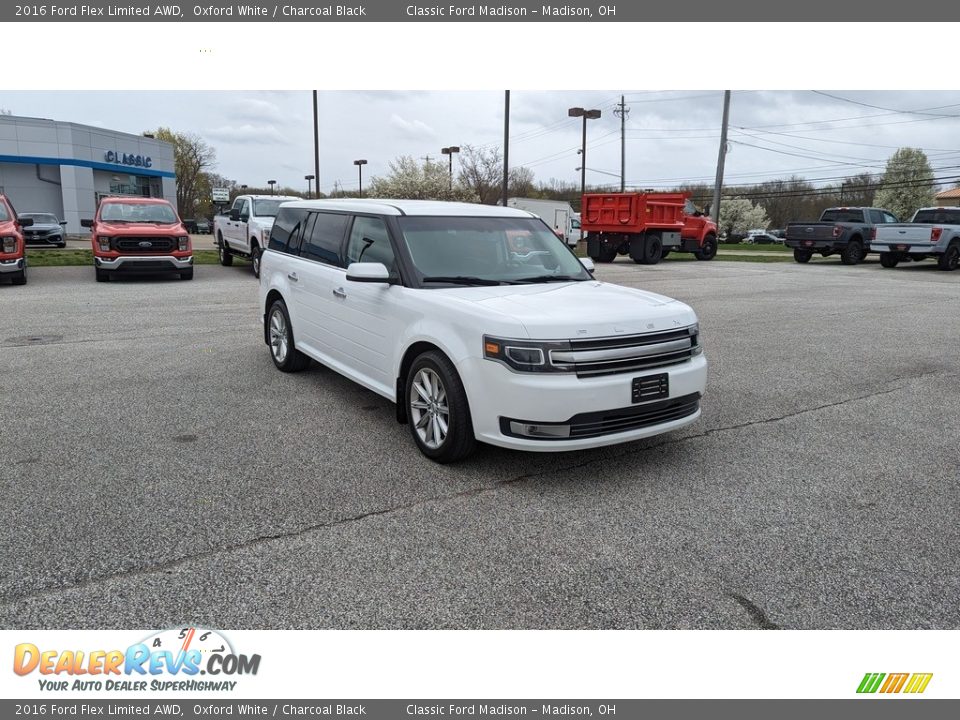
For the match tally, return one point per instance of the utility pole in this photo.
(427, 159)
(506, 147)
(715, 208)
(622, 111)
(316, 143)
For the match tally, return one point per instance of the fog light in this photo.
(544, 431)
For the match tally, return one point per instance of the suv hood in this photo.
(44, 227)
(578, 309)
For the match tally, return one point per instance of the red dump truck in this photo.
(646, 226)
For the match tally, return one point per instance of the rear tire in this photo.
(437, 409)
(802, 256)
(707, 251)
(950, 259)
(651, 252)
(852, 254)
(607, 254)
(255, 255)
(280, 334)
(889, 259)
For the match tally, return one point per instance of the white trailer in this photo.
(558, 214)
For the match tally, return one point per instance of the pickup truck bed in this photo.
(933, 233)
(843, 231)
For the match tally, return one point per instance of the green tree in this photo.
(907, 184)
(410, 180)
(192, 159)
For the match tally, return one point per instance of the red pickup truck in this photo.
(13, 254)
(139, 235)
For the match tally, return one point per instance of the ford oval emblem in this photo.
(809, 230)
(145, 243)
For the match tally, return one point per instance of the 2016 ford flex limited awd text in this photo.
(479, 323)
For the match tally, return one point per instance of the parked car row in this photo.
(853, 232)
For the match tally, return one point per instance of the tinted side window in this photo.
(876, 217)
(286, 223)
(369, 242)
(889, 218)
(323, 242)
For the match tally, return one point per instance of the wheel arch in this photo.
(412, 352)
(272, 297)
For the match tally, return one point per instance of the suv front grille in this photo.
(144, 244)
(610, 356)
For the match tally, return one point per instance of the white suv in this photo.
(479, 323)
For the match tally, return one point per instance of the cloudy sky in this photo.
(672, 136)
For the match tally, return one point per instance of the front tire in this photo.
(102, 275)
(889, 259)
(19, 278)
(226, 259)
(950, 259)
(437, 409)
(187, 274)
(802, 256)
(852, 254)
(707, 251)
(255, 254)
(280, 333)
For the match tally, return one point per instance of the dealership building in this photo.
(65, 168)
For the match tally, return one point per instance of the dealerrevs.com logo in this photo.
(168, 660)
(912, 683)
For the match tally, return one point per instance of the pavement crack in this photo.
(756, 613)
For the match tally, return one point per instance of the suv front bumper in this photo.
(15, 265)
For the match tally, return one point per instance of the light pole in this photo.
(271, 183)
(450, 151)
(586, 115)
(308, 178)
(360, 164)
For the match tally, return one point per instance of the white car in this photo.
(479, 323)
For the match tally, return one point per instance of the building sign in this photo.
(220, 195)
(126, 159)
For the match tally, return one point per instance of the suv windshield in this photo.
(940, 216)
(851, 216)
(137, 213)
(41, 218)
(487, 251)
(267, 208)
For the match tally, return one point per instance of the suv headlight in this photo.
(523, 355)
(104, 242)
(9, 244)
(183, 242)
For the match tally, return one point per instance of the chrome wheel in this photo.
(429, 411)
(279, 345)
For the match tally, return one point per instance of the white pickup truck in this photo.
(932, 233)
(244, 229)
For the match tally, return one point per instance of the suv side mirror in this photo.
(369, 272)
(26, 222)
(63, 222)
(86, 223)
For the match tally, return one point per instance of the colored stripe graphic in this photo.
(918, 683)
(894, 683)
(870, 682)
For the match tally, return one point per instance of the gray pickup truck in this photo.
(843, 230)
(932, 233)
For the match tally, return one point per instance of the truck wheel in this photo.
(607, 253)
(889, 259)
(19, 278)
(226, 259)
(439, 416)
(255, 259)
(950, 259)
(651, 250)
(187, 274)
(280, 334)
(802, 256)
(102, 275)
(666, 251)
(707, 251)
(852, 254)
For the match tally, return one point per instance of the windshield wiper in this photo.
(548, 278)
(460, 280)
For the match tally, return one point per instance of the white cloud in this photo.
(263, 134)
(416, 129)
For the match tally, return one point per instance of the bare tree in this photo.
(193, 157)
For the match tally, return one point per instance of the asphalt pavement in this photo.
(156, 468)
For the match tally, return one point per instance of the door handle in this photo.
(293, 276)
(340, 293)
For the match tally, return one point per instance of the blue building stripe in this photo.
(109, 167)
